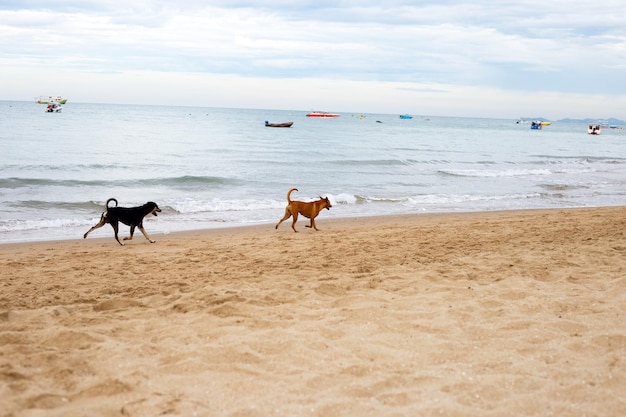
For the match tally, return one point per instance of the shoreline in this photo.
(507, 313)
(300, 225)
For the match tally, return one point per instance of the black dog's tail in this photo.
(108, 201)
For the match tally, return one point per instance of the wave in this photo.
(185, 181)
(564, 187)
(516, 172)
(442, 199)
(16, 225)
(370, 162)
(191, 206)
(477, 173)
(54, 205)
(429, 199)
(580, 159)
(391, 162)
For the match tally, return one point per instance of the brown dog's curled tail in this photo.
(289, 194)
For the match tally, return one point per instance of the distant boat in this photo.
(284, 124)
(54, 108)
(593, 129)
(538, 124)
(322, 114)
(406, 116)
(51, 99)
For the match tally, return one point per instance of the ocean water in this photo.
(212, 167)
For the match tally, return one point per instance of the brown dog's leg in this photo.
(312, 225)
(101, 223)
(287, 215)
(293, 223)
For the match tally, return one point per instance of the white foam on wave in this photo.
(343, 198)
(496, 173)
(445, 199)
(16, 225)
(191, 206)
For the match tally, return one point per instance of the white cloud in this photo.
(449, 57)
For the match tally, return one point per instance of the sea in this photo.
(221, 167)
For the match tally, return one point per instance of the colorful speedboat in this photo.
(322, 114)
(538, 124)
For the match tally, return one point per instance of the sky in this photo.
(484, 58)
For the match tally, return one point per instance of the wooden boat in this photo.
(593, 129)
(322, 114)
(284, 124)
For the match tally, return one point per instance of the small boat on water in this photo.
(322, 114)
(53, 108)
(538, 124)
(284, 124)
(593, 129)
(406, 116)
(51, 99)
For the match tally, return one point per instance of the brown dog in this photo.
(309, 210)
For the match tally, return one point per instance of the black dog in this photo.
(130, 216)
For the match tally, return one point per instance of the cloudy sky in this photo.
(484, 58)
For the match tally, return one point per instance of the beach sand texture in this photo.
(479, 314)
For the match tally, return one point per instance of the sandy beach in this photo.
(481, 314)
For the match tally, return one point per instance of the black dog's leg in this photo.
(115, 230)
(145, 234)
(102, 222)
(132, 232)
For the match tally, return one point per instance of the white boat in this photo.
(51, 99)
(54, 108)
(593, 129)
